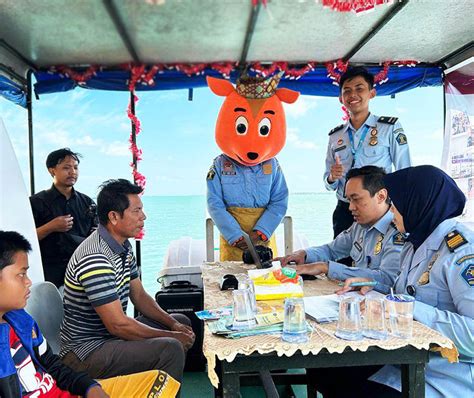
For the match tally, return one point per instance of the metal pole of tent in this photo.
(29, 106)
(138, 251)
(444, 107)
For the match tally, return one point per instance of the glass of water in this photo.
(294, 323)
(349, 325)
(246, 283)
(400, 310)
(243, 315)
(374, 319)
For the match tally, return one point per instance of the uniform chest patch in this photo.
(454, 240)
(228, 169)
(468, 274)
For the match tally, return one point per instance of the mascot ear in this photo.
(287, 95)
(220, 87)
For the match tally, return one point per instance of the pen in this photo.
(359, 284)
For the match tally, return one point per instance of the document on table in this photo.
(322, 308)
(325, 309)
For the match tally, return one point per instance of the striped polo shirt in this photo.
(98, 273)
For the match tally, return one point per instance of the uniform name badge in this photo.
(228, 169)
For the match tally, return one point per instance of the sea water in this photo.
(171, 217)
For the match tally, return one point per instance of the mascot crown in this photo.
(258, 87)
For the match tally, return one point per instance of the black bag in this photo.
(184, 298)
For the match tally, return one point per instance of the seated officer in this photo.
(437, 268)
(372, 241)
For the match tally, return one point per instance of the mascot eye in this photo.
(241, 125)
(264, 127)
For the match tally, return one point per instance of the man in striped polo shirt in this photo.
(96, 335)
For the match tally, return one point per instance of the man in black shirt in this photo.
(63, 216)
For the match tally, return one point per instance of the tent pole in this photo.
(29, 107)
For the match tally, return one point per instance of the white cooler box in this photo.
(183, 262)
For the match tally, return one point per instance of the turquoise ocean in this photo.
(172, 217)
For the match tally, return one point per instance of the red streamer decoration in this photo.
(345, 113)
(381, 77)
(255, 2)
(137, 153)
(224, 68)
(336, 69)
(356, 6)
(78, 77)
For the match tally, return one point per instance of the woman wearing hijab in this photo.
(437, 268)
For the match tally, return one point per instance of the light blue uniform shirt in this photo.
(446, 304)
(235, 185)
(360, 242)
(391, 148)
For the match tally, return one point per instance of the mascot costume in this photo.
(246, 189)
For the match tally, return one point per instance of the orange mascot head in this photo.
(251, 126)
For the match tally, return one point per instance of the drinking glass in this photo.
(243, 316)
(349, 322)
(374, 319)
(400, 310)
(294, 323)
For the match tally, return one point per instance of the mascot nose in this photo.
(252, 155)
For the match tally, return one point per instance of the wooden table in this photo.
(262, 354)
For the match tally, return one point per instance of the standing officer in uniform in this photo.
(372, 241)
(365, 139)
(437, 268)
(63, 216)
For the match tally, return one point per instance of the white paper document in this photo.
(326, 308)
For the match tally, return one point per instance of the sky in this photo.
(177, 135)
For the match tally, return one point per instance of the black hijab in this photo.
(425, 196)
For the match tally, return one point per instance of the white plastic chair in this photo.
(45, 305)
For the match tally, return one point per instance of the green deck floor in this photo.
(197, 385)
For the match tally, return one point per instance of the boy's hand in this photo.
(96, 392)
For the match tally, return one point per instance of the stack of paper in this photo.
(326, 308)
(322, 308)
(222, 328)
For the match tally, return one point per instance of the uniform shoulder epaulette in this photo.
(454, 240)
(387, 119)
(336, 129)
